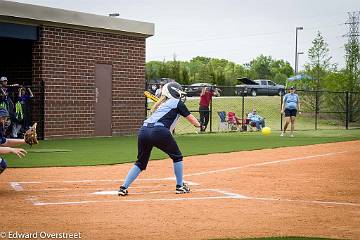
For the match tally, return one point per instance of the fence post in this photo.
(281, 115)
(347, 109)
(242, 108)
(211, 115)
(316, 108)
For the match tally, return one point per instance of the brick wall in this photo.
(65, 60)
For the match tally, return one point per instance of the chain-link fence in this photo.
(320, 110)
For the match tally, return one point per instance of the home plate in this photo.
(105, 193)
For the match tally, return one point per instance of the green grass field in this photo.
(113, 150)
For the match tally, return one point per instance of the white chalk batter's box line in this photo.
(222, 195)
(35, 199)
(17, 186)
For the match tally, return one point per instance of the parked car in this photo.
(258, 87)
(195, 89)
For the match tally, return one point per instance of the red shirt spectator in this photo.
(205, 98)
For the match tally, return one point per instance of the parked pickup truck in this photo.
(258, 87)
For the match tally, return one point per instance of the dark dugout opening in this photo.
(16, 61)
(16, 64)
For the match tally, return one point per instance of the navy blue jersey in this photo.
(24, 98)
(168, 113)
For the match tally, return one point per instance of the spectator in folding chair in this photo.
(223, 124)
(256, 119)
(233, 121)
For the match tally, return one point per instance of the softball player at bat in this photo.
(6, 145)
(156, 132)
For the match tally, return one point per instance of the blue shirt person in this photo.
(257, 119)
(290, 107)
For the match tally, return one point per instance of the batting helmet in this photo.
(173, 90)
(4, 112)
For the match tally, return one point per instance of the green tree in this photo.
(280, 71)
(280, 78)
(233, 72)
(217, 70)
(200, 71)
(265, 67)
(262, 67)
(173, 69)
(152, 69)
(319, 61)
(184, 73)
(352, 58)
(163, 70)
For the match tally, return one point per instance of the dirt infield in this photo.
(294, 191)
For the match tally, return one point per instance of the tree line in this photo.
(320, 72)
(221, 72)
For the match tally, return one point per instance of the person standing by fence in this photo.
(205, 99)
(290, 107)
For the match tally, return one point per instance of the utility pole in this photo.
(296, 51)
(352, 57)
(352, 46)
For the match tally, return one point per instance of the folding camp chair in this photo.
(233, 121)
(223, 124)
(249, 125)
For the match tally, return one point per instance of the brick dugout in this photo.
(92, 68)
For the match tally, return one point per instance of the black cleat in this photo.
(182, 189)
(122, 191)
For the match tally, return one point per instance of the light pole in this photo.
(297, 61)
(296, 53)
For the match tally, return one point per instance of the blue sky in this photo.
(236, 30)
